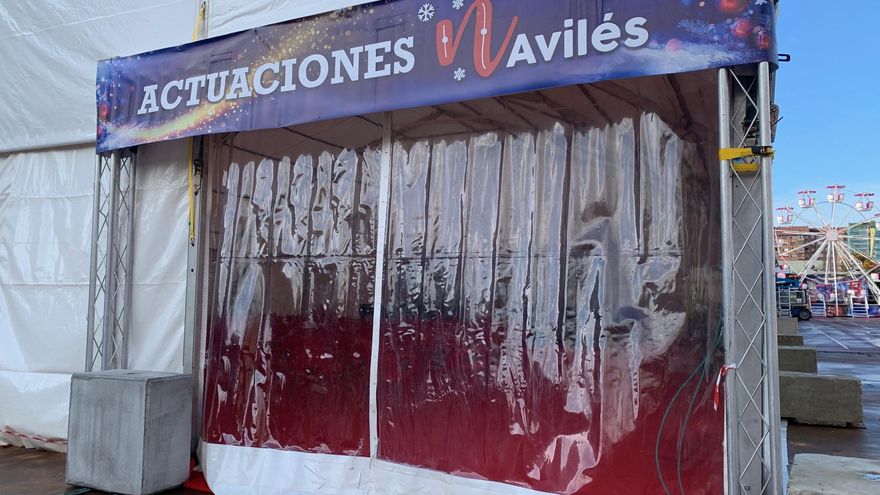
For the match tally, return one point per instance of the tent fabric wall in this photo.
(45, 236)
(33, 409)
(230, 16)
(161, 239)
(45, 229)
(48, 56)
(49, 53)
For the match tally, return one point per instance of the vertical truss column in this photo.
(110, 279)
(752, 405)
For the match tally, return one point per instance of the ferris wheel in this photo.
(830, 244)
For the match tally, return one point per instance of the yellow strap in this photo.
(202, 8)
(737, 153)
(746, 167)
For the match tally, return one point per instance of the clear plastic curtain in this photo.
(550, 314)
(547, 291)
(293, 263)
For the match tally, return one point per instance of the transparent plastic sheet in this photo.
(551, 307)
(292, 268)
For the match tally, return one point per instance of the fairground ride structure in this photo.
(828, 249)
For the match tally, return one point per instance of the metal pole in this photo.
(726, 184)
(381, 240)
(773, 446)
(193, 265)
(834, 267)
(93, 266)
(131, 193)
(110, 282)
(193, 341)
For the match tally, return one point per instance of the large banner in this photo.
(409, 53)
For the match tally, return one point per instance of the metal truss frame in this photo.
(753, 443)
(112, 246)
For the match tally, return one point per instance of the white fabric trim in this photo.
(233, 470)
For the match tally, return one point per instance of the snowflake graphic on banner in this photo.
(459, 74)
(457, 4)
(426, 12)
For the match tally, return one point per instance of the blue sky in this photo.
(829, 95)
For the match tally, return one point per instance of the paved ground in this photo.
(35, 472)
(846, 347)
(31, 472)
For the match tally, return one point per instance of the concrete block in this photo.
(786, 326)
(800, 359)
(827, 400)
(129, 431)
(813, 474)
(790, 340)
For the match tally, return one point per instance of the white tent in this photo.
(49, 59)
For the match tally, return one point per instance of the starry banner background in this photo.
(685, 35)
